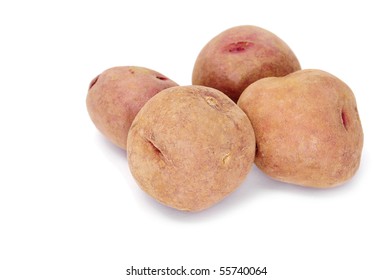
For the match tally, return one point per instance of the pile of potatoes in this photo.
(249, 102)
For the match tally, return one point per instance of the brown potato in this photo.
(307, 127)
(116, 96)
(190, 146)
(240, 56)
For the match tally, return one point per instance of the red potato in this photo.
(117, 95)
(240, 56)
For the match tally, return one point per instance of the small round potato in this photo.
(190, 146)
(240, 56)
(307, 127)
(116, 96)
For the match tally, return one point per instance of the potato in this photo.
(307, 126)
(116, 96)
(240, 56)
(190, 146)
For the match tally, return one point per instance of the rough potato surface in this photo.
(190, 146)
(307, 127)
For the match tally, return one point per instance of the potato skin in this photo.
(116, 96)
(307, 127)
(190, 146)
(240, 56)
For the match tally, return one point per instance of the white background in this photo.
(69, 207)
